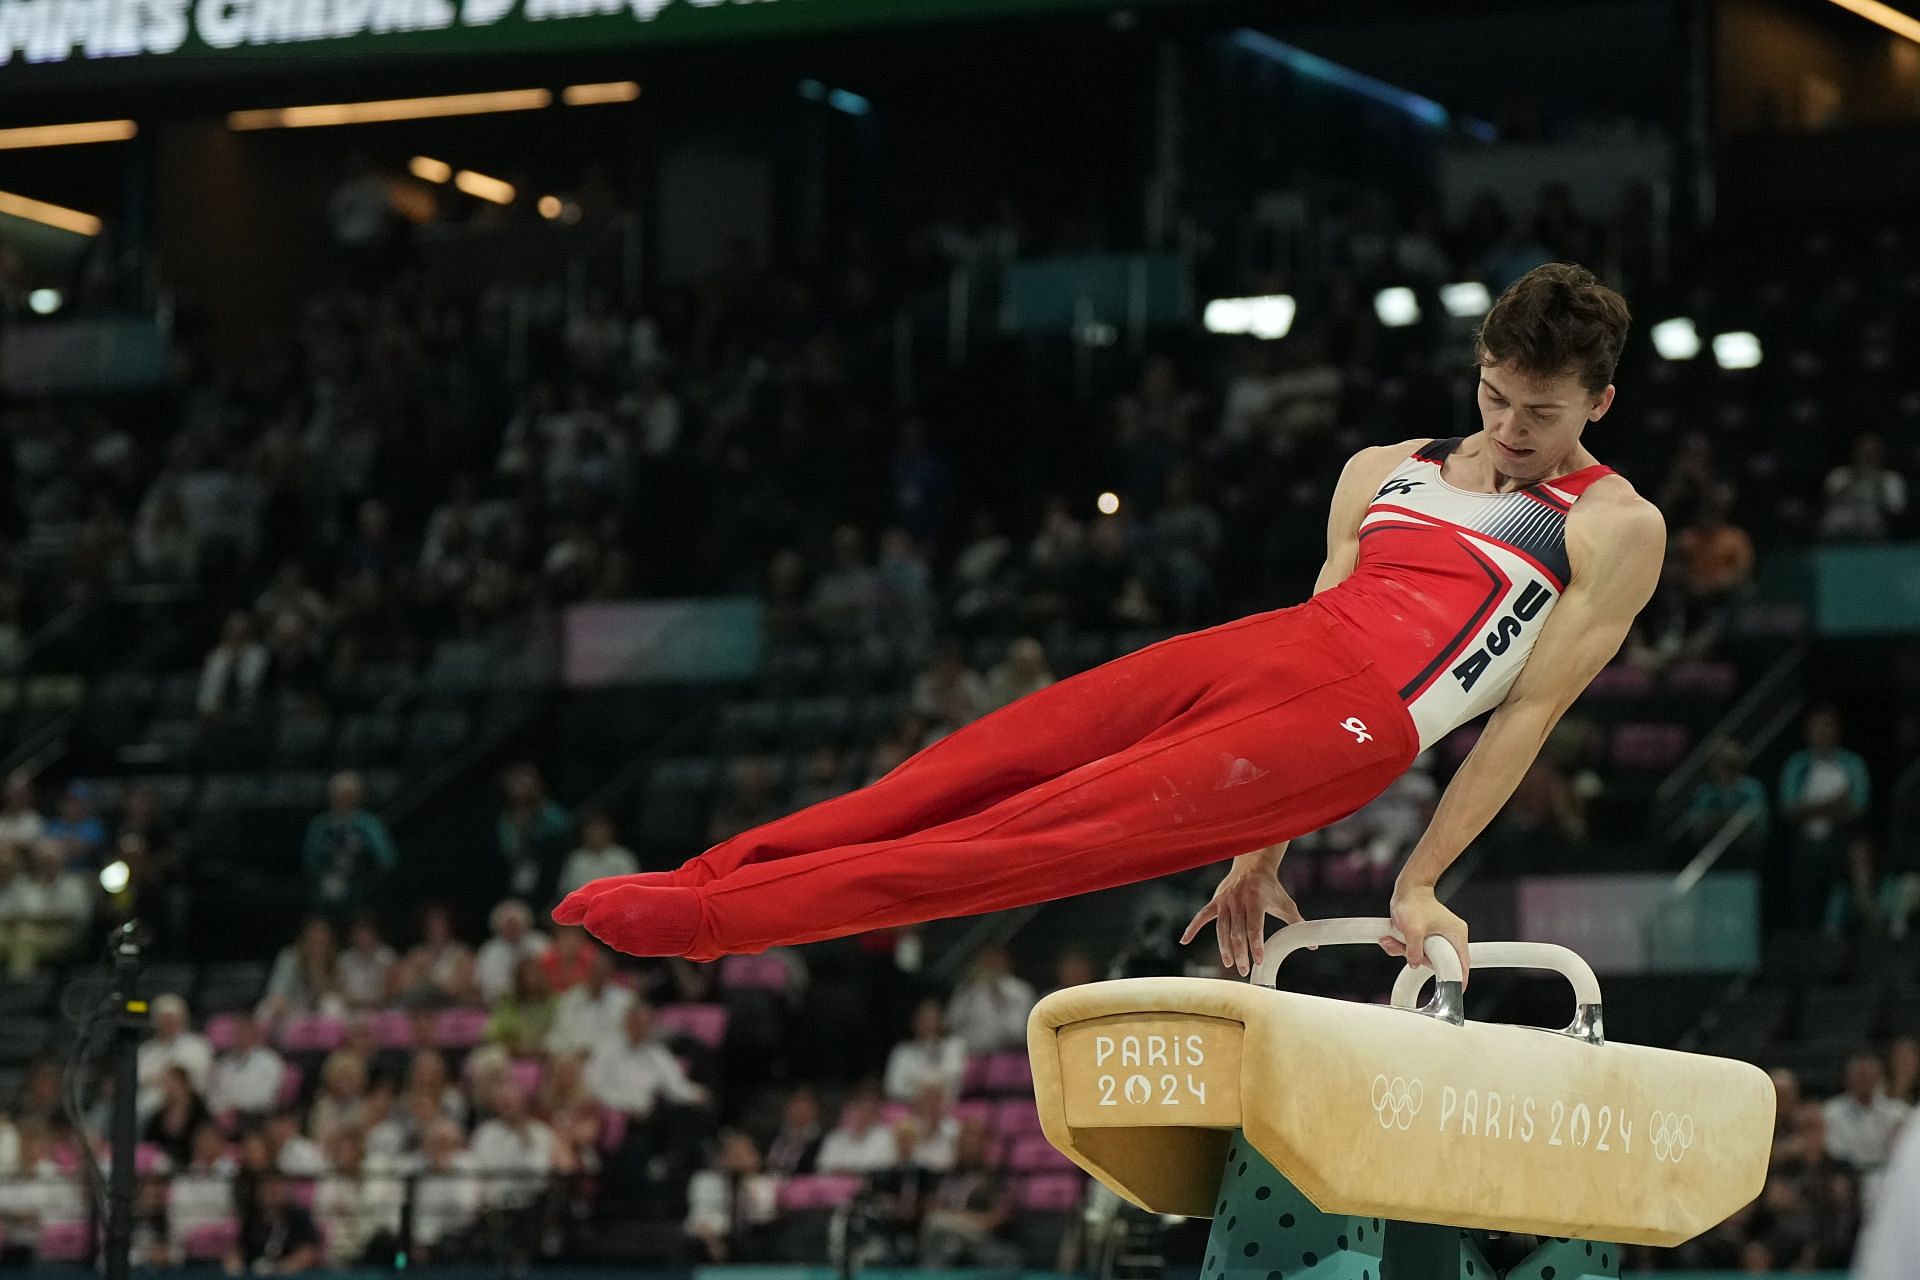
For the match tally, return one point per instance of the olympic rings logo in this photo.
(1397, 1101)
(1671, 1134)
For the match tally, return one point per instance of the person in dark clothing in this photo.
(277, 1236)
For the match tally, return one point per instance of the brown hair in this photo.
(1557, 319)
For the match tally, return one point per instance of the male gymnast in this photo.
(1497, 571)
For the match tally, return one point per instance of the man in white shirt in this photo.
(989, 1011)
(294, 1154)
(358, 1204)
(1891, 1240)
(632, 1072)
(598, 856)
(514, 939)
(1862, 1122)
(936, 1127)
(171, 1045)
(246, 1079)
(930, 1057)
(513, 1153)
(45, 910)
(594, 1011)
(861, 1144)
(447, 1197)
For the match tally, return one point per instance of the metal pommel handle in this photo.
(1447, 1001)
(1587, 1022)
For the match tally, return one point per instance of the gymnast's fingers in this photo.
(1194, 926)
(1416, 948)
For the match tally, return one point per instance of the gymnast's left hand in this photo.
(1418, 915)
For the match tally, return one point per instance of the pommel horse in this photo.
(1331, 1140)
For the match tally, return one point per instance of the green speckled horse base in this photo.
(1265, 1229)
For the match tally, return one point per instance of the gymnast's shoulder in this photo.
(1614, 522)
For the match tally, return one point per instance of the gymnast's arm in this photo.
(1616, 546)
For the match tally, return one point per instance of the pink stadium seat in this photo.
(613, 1129)
(1016, 1118)
(148, 1159)
(1037, 1155)
(393, 1029)
(1649, 746)
(1051, 1192)
(1622, 680)
(762, 973)
(290, 1079)
(1703, 679)
(969, 1110)
(892, 1113)
(312, 1033)
(461, 1028)
(210, 1241)
(65, 1241)
(1008, 1073)
(705, 1023)
(819, 1191)
(302, 1190)
(975, 1078)
(220, 1031)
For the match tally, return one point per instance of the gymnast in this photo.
(1497, 571)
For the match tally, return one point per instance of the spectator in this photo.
(289, 1151)
(968, 1208)
(1074, 968)
(731, 1204)
(795, 1147)
(1786, 1102)
(430, 1092)
(513, 1152)
(1863, 1122)
(860, 1144)
(1716, 559)
(570, 960)
(1903, 1071)
(599, 855)
(949, 692)
(903, 592)
(347, 853)
(930, 1057)
(358, 1206)
(1694, 481)
(989, 1010)
(178, 1118)
(895, 1198)
(531, 828)
(439, 970)
(44, 910)
(1727, 792)
(1892, 1236)
(21, 825)
(41, 1192)
(341, 1102)
(1823, 796)
(305, 977)
(234, 670)
(277, 1236)
(514, 940)
(1865, 498)
(522, 1018)
(171, 1044)
(936, 1127)
(200, 1193)
(1023, 671)
(591, 1013)
(447, 1197)
(843, 600)
(365, 968)
(77, 831)
(245, 1080)
(634, 1072)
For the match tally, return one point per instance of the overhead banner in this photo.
(144, 31)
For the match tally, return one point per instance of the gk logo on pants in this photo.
(1354, 726)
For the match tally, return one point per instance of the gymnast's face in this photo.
(1533, 424)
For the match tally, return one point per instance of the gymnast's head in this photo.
(1546, 353)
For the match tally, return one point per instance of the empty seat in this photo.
(1702, 679)
(748, 726)
(703, 1023)
(1649, 747)
(1036, 1155)
(302, 739)
(1839, 1013)
(230, 987)
(1050, 1192)
(818, 1191)
(1622, 681)
(437, 732)
(459, 667)
(813, 721)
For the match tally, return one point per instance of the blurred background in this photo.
(456, 449)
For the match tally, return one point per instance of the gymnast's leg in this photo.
(1262, 755)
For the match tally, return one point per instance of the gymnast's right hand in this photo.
(1240, 906)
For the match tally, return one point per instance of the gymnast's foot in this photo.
(573, 908)
(648, 920)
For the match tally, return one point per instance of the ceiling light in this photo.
(336, 113)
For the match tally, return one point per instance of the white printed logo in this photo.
(1354, 726)
(1397, 1101)
(1672, 1134)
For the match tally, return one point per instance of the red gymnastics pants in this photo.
(1201, 747)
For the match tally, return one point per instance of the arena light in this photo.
(44, 302)
(549, 207)
(115, 876)
(1396, 307)
(484, 187)
(1266, 317)
(1676, 339)
(67, 135)
(1315, 67)
(337, 113)
(1892, 19)
(1465, 300)
(850, 103)
(595, 95)
(1109, 503)
(50, 215)
(1736, 350)
(427, 169)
